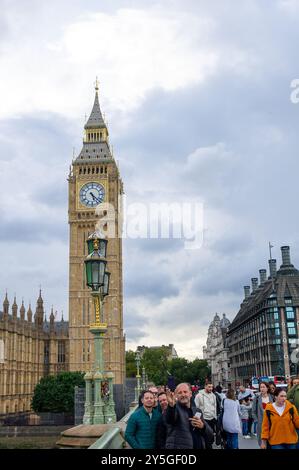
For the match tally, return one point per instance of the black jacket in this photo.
(180, 434)
(161, 433)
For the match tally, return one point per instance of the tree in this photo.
(155, 362)
(130, 364)
(178, 368)
(55, 393)
(159, 367)
(188, 371)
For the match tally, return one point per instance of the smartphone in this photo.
(198, 415)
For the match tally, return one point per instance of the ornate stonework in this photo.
(216, 351)
(93, 181)
(30, 350)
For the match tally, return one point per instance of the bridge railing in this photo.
(114, 437)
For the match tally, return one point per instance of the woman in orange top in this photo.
(279, 423)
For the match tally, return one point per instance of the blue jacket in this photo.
(141, 429)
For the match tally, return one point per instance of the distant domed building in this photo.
(216, 351)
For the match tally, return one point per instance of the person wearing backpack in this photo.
(259, 404)
(280, 422)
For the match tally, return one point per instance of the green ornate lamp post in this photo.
(143, 379)
(138, 376)
(99, 403)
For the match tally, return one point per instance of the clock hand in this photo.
(95, 198)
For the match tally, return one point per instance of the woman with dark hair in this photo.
(259, 404)
(280, 422)
(290, 383)
(231, 421)
(272, 388)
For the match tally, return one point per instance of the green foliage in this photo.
(55, 393)
(189, 371)
(130, 364)
(158, 367)
(156, 363)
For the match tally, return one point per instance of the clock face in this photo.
(92, 194)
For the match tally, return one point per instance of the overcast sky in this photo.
(197, 98)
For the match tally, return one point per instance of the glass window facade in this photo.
(292, 331)
(290, 314)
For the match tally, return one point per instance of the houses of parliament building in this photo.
(31, 346)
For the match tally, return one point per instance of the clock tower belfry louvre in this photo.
(94, 180)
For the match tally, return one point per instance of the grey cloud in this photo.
(150, 284)
(132, 318)
(154, 245)
(52, 195)
(33, 231)
(135, 334)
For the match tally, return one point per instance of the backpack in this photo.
(220, 417)
(220, 433)
(269, 413)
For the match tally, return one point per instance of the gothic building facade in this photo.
(30, 348)
(216, 351)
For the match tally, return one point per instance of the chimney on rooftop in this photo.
(272, 266)
(254, 283)
(246, 291)
(286, 256)
(263, 276)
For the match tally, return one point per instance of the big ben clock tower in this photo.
(94, 179)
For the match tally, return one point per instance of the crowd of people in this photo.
(189, 418)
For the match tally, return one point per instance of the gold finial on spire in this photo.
(97, 84)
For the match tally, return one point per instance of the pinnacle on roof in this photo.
(52, 317)
(14, 308)
(95, 120)
(29, 313)
(6, 302)
(22, 309)
(40, 299)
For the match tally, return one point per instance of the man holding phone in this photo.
(186, 427)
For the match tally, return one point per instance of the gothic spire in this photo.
(95, 120)
(29, 314)
(5, 305)
(52, 317)
(39, 312)
(40, 299)
(96, 137)
(14, 308)
(22, 311)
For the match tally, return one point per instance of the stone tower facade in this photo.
(93, 181)
(216, 351)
